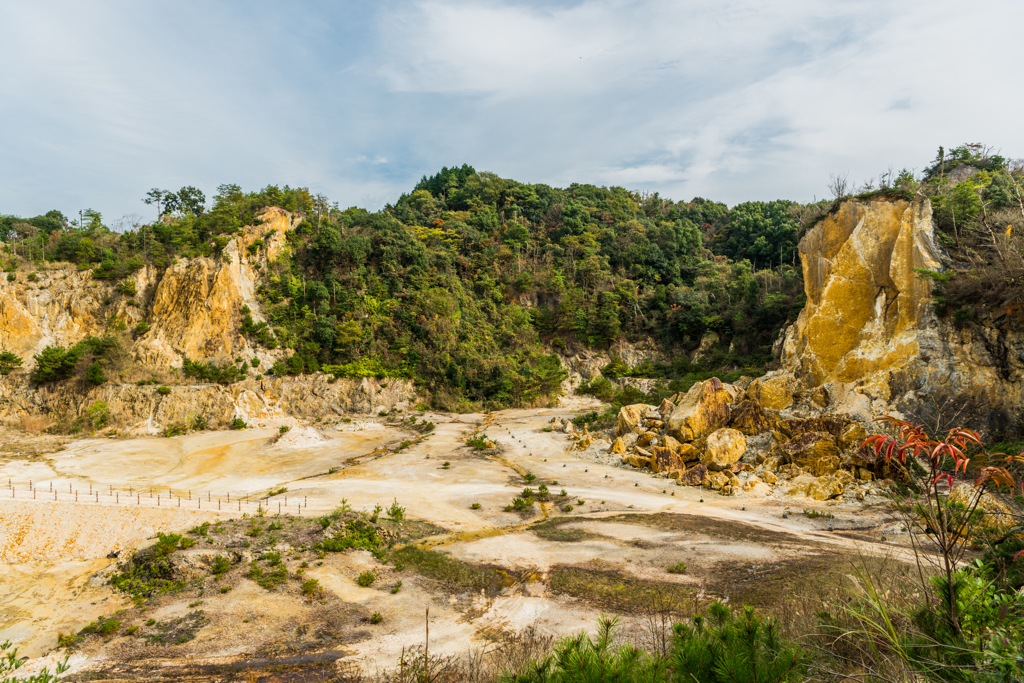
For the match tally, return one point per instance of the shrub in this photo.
(175, 429)
(475, 506)
(98, 414)
(9, 362)
(238, 423)
(140, 328)
(376, 618)
(678, 568)
(311, 588)
(396, 511)
(95, 375)
(723, 646)
(366, 579)
(163, 391)
(54, 363)
(127, 287)
(221, 565)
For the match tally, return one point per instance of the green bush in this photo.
(163, 391)
(53, 364)
(366, 579)
(9, 362)
(238, 423)
(723, 646)
(396, 511)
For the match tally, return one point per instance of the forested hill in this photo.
(470, 282)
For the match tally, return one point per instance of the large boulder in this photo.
(853, 436)
(702, 410)
(665, 460)
(773, 393)
(693, 476)
(723, 448)
(815, 452)
(666, 408)
(716, 480)
(825, 488)
(671, 443)
(688, 452)
(629, 417)
(751, 419)
(618, 446)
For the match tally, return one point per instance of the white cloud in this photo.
(735, 100)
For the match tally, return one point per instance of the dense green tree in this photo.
(9, 362)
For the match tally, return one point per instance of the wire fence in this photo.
(154, 497)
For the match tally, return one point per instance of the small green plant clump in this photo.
(475, 506)
(366, 579)
(311, 588)
(396, 511)
(479, 442)
(238, 423)
(677, 568)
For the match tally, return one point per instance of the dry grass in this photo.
(34, 424)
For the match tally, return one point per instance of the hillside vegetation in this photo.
(471, 282)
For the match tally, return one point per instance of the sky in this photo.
(733, 100)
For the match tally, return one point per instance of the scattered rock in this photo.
(816, 452)
(774, 393)
(724, 447)
(825, 488)
(704, 408)
(750, 418)
(629, 417)
(694, 476)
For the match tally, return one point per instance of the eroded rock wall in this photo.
(143, 409)
(868, 339)
(193, 307)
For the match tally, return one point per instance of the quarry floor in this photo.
(634, 525)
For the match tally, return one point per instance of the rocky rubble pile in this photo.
(756, 437)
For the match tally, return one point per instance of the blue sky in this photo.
(731, 100)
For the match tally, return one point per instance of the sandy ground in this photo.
(51, 549)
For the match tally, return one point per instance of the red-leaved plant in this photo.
(950, 526)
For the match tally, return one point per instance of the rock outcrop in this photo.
(868, 341)
(145, 410)
(193, 307)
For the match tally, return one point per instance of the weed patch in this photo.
(618, 592)
(451, 573)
